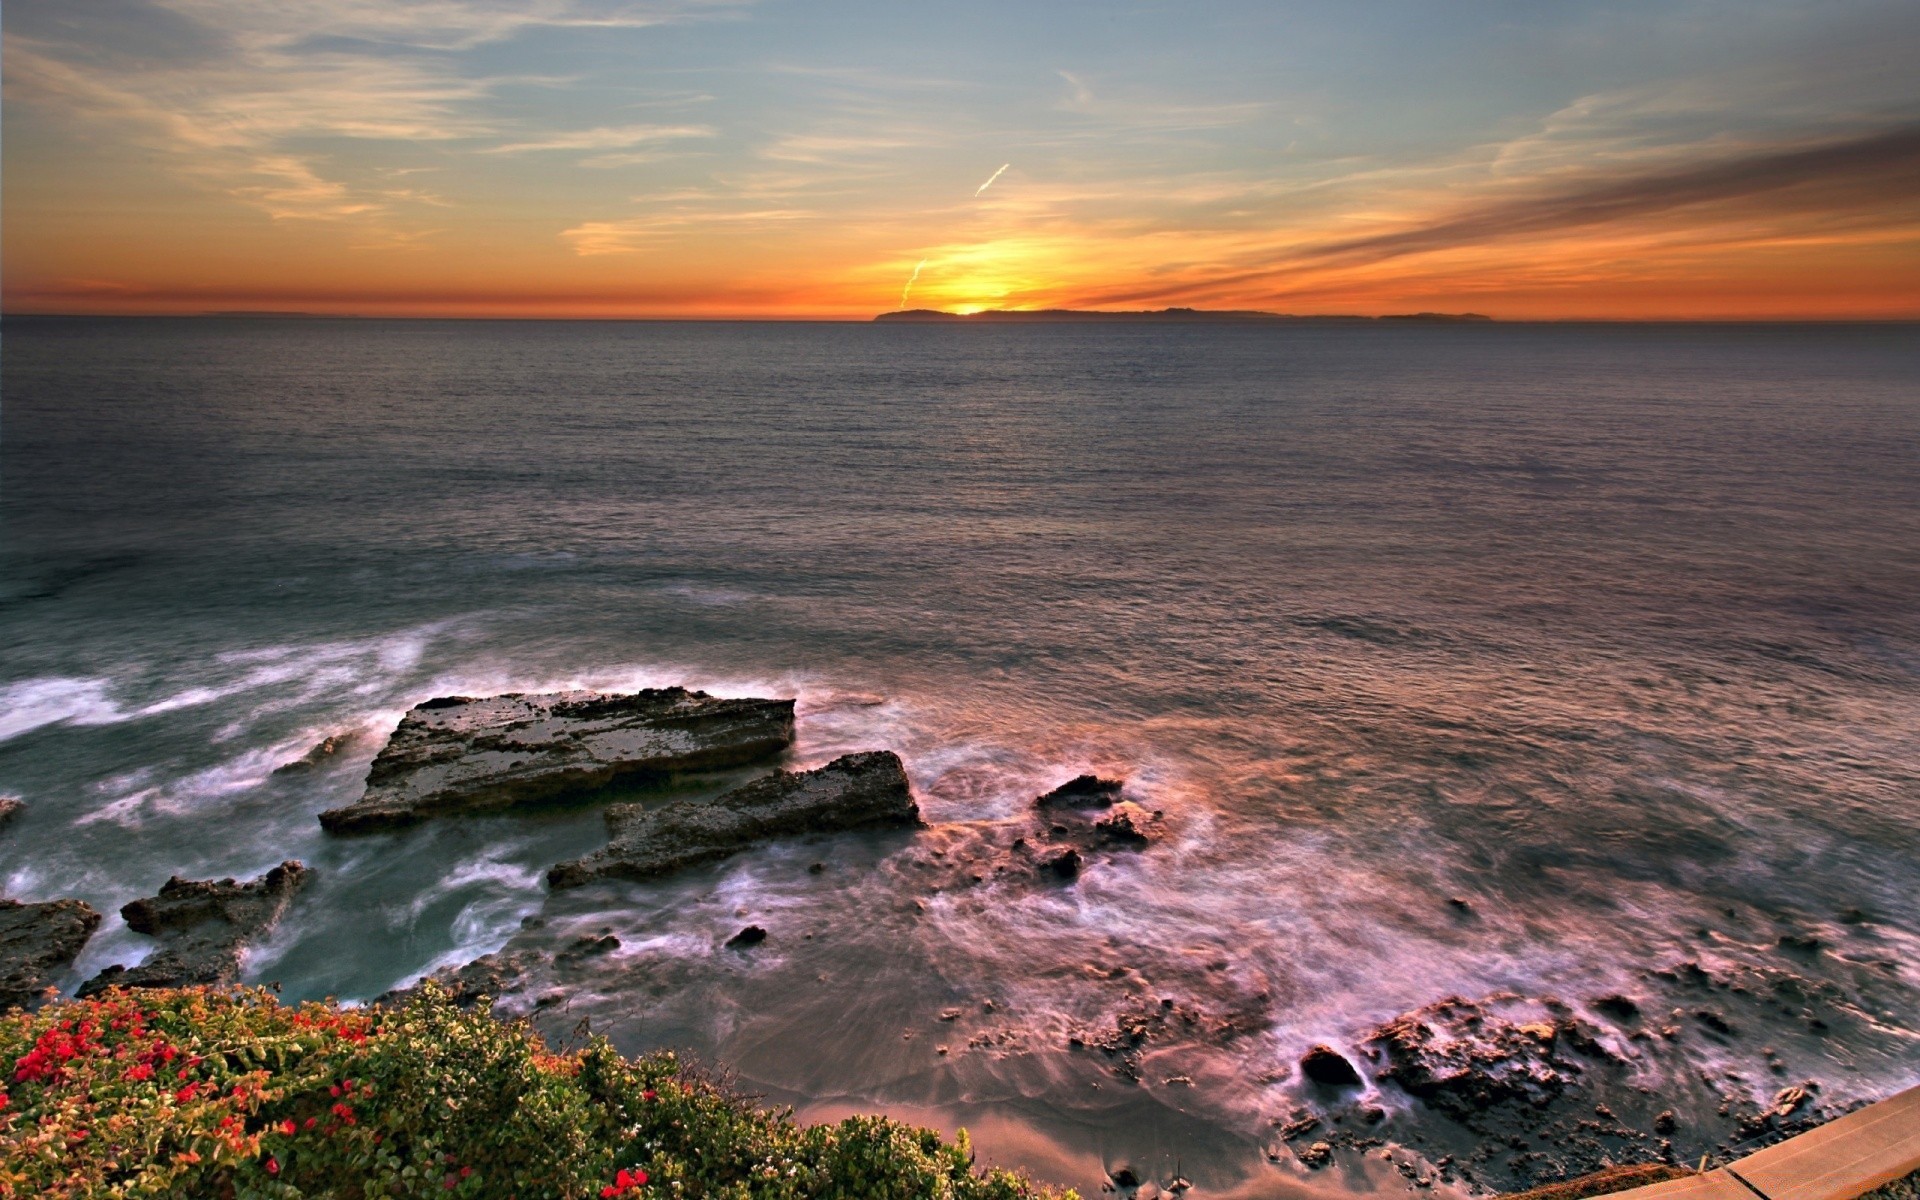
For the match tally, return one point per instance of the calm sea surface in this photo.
(1611, 632)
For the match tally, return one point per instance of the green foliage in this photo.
(205, 1093)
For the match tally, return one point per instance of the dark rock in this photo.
(752, 935)
(1325, 1065)
(1459, 904)
(203, 927)
(1665, 1122)
(1620, 1008)
(37, 941)
(490, 976)
(1064, 865)
(459, 755)
(1715, 1021)
(1853, 916)
(322, 753)
(1086, 791)
(816, 868)
(1124, 1176)
(1126, 824)
(588, 946)
(1805, 943)
(11, 807)
(855, 791)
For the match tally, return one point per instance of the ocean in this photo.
(1462, 660)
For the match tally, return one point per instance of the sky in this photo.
(836, 159)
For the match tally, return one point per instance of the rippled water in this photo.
(1611, 632)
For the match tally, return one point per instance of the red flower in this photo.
(312, 1121)
(465, 1171)
(273, 1166)
(5, 1099)
(335, 1091)
(142, 1071)
(186, 1093)
(649, 1094)
(286, 1127)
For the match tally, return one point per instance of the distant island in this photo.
(1044, 315)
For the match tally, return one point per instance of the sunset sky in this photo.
(1741, 158)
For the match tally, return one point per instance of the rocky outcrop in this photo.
(459, 754)
(1465, 1058)
(1084, 791)
(10, 807)
(857, 791)
(37, 942)
(322, 753)
(203, 927)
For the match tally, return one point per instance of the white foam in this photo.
(55, 700)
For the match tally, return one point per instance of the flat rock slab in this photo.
(857, 791)
(458, 754)
(37, 941)
(203, 927)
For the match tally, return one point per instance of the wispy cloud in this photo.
(236, 92)
(1873, 172)
(604, 138)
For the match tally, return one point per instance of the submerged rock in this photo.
(10, 807)
(203, 927)
(752, 935)
(1127, 824)
(458, 754)
(322, 752)
(856, 791)
(37, 941)
(1085, 791)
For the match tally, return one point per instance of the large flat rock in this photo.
(37, 941)
(204, 926)
(458, 754)
(856, 791)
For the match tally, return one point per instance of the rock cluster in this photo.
(37, 942)
(459, 754)
(203, 927)
(855, 791)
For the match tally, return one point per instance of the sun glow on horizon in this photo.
(625, 159)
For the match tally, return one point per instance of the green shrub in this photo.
(206, 1093)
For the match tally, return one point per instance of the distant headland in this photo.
(1046, 315)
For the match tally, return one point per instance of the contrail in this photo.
(911, 278)
(989, 183)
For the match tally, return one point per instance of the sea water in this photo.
(1610, 633)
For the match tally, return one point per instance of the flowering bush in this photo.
(204, 1093)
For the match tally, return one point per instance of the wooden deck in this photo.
(1838, 1161)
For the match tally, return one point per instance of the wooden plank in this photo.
(1714, 1185)
(1842, 1158)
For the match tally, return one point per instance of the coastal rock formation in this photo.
(458, 754)
(856, 791)
(203, 927)
(36, 942)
